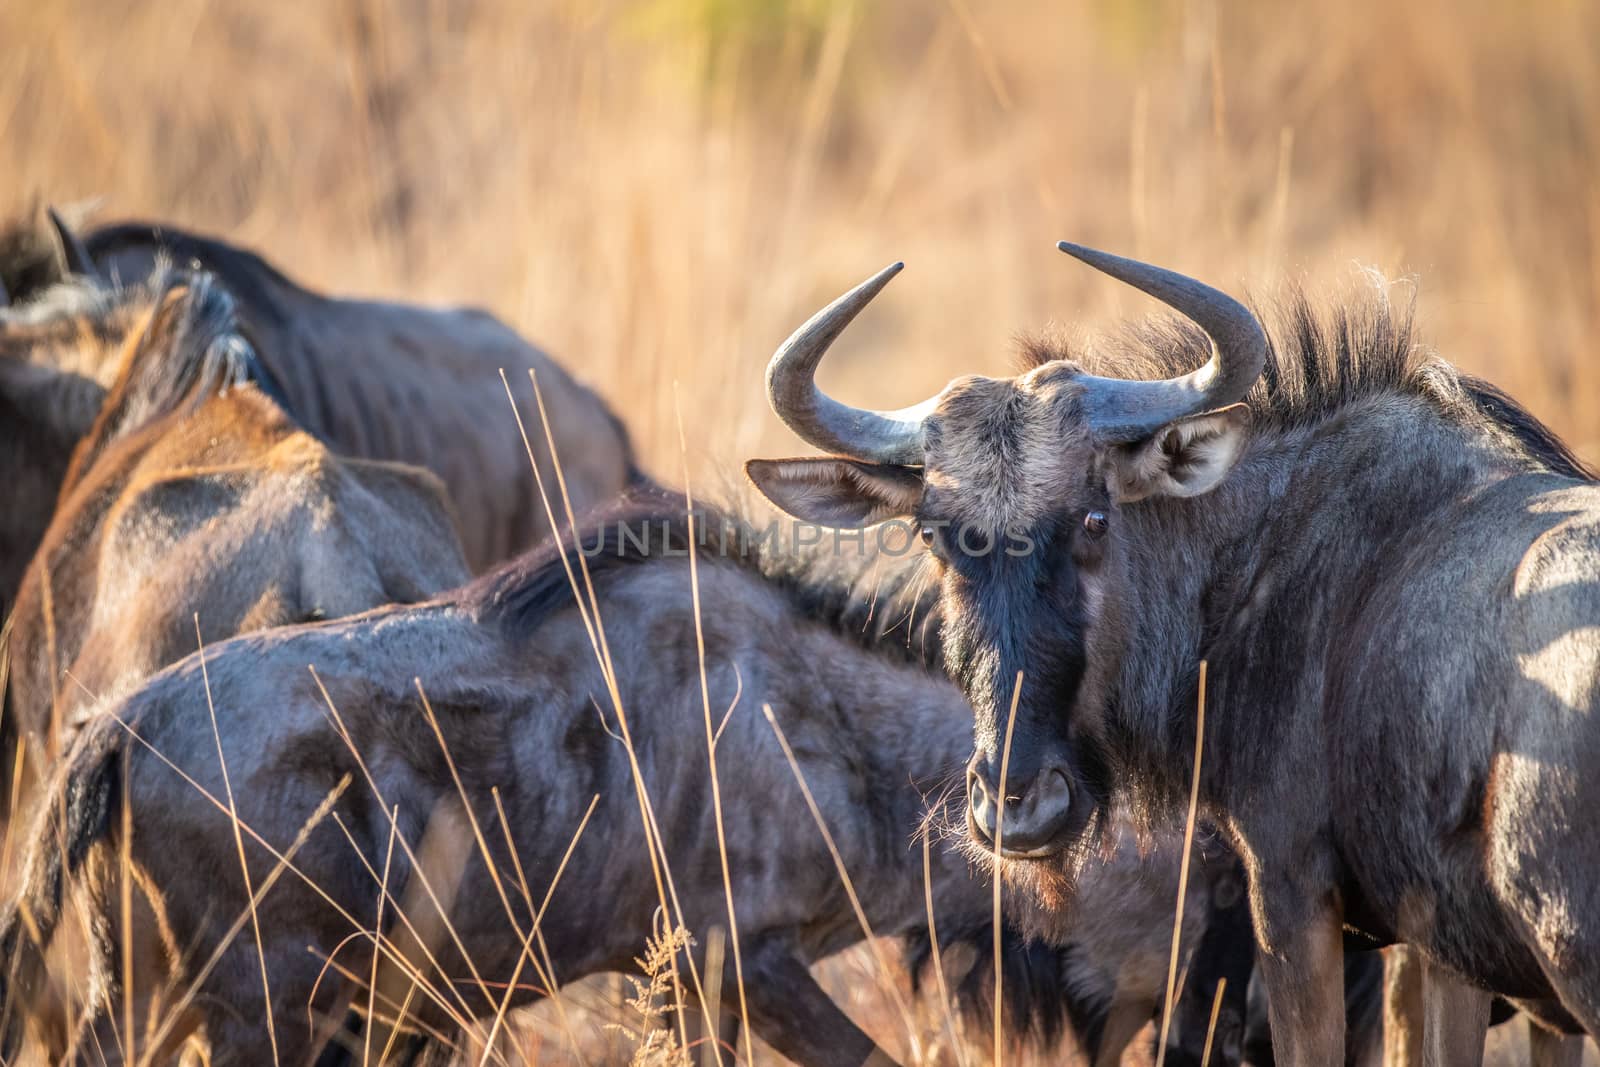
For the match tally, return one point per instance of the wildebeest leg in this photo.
(1547, 1048)
(1126, 1017)
(1456, 1019)
(1301, 963)
(790, 1012)
(1363, 1007)
(1363, 1010)
(1402, 1007)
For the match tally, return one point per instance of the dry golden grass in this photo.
(659, 190)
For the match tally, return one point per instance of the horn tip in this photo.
(874, 285)
(1107, 262)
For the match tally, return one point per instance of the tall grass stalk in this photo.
(711, 756)
(1183, 868)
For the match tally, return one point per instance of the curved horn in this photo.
(1121, 410)
(73, 252)
(860, 433)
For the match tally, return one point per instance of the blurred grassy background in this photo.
(660, 190)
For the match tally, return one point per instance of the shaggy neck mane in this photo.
(887, 605)
(187, 348)
(1322, 360)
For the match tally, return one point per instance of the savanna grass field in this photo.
(659, 191)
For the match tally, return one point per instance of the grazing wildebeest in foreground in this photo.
(1392, 569)
(195, 493)
(522, 709)
(373, 380)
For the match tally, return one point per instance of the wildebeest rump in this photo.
(195, 494)
(510, 673)
(376, 380)
(1390, 568)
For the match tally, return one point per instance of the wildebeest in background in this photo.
(1392, 569)
(520, 703)
(374, 380)
(194, 493)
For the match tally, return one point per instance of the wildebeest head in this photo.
(1015, 485)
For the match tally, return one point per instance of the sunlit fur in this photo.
(399, 381)
(1389, 584)
(374, 380)
(195, 493)
(1379, 500)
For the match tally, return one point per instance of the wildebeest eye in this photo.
(1094, 524)
(932, 540)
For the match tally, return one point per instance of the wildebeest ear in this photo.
(1184, 458)
(839, 493)
(73, 253)
(30, 259)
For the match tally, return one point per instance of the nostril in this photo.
(1052, 792)
(1037, 807)
(981, 813)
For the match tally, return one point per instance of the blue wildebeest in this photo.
(192, 505)
(514, 685)
(194, 492)
(1390, 567)
(374, 380)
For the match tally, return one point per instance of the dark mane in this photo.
(252, 279)
(192, 251)
(883, 603)
(1524, 427)
(1321, 360)
(188, 348)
